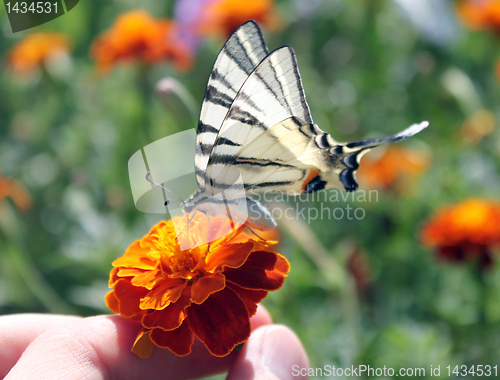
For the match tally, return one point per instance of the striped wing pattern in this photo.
(243, 51)
(271, 94)
(256, 132)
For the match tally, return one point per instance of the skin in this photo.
(95, 348)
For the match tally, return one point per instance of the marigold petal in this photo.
(113, 277)
(137, 35)
(179, 341)
(128, 297)
(135, 257)
(112, 302)
(250, 297)
(263, 270)
(34, 49)
(171, 317)
(161, 296)
(230, 256)
(207, 285)
(221, 322)
(143, 346)
(147, 279)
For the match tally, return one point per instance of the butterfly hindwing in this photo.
(271, 94)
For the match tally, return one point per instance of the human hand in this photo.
(39, 346)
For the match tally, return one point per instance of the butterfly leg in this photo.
(246, 224)
(188, 223)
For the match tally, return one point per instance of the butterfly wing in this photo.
(256, 133)
(272, 93)
(269, 136)
(239, 57)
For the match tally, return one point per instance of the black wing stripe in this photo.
(202, 128)
(213, 95)
(224, 141)
(217, 77)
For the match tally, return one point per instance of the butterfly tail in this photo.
(353, 151)
(372, 143)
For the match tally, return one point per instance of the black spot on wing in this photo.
(351, 160)
(337, 150)
(347, 175)
(315, 184)
(347, 179)
(322, 141)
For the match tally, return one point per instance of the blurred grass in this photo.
(67, 135)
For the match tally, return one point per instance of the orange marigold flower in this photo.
(480, 14)
(34, 49)
(465, 231)
(480, 124)
(14, 190)
(136, 35)
(395, 165)
(222, 17)
(207, 292)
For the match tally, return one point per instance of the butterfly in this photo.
(256, 134)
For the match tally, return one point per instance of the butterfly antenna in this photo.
(148, 175)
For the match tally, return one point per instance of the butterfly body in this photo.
(256, 134)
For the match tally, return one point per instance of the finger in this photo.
(272, 352)
(99, 348)
(17, 331)
(261, 318)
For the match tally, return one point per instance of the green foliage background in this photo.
(68, 133)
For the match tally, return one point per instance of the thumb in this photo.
(271, 352)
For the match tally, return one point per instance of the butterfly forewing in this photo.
(243, 51)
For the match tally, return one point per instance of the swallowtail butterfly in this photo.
(255, 133)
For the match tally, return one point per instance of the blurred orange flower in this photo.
(136, 35)
(210, 293)
(465, 231)
(480, 124)
(222, 17)
(15, 191)
(395, 165)
(34, 49)
(480, 14)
